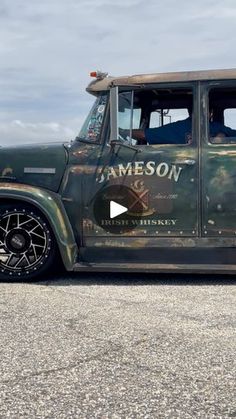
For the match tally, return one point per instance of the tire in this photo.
(27, 243)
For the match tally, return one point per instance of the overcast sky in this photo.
(48, 48)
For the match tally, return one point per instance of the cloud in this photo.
(18, 131)
(48, 48)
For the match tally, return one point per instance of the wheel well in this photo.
(12, 201)
(53, 211)
(4, 201)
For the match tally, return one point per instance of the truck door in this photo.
(219, 159)
(161, 176)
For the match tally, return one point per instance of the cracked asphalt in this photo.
(118, 346)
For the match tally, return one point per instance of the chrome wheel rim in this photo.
(24, 242)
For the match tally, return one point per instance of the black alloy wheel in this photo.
(27, 245)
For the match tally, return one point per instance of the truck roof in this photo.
(104, 84)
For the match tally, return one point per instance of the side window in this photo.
(166, 116)
(129, 117)
(222, 115)
(91, 128)
(230, 117)
(156, 116)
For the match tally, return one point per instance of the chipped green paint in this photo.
(14, 162)
(189, 191)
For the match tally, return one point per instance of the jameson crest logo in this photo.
(140, 168)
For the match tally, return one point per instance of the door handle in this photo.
(188, 162)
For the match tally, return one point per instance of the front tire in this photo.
(27, 244)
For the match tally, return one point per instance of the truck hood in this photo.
(40, 165)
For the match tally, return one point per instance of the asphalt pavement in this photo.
(118, 346)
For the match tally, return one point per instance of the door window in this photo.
(222, 116)
(230, 117)
(156, 116)
(159, 118)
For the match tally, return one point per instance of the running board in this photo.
(154, 267)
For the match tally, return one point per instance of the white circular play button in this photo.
(116, 209)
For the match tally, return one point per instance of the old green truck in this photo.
(149, 184)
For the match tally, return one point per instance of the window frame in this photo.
(193, 86)
(208, 86)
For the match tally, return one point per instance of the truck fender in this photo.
(50, 204)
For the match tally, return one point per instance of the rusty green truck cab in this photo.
(169, 140)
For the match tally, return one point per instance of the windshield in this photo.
(91, 128)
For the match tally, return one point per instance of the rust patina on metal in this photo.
(97, 86)
(188, 221)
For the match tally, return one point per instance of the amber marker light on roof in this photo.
(98, 74)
